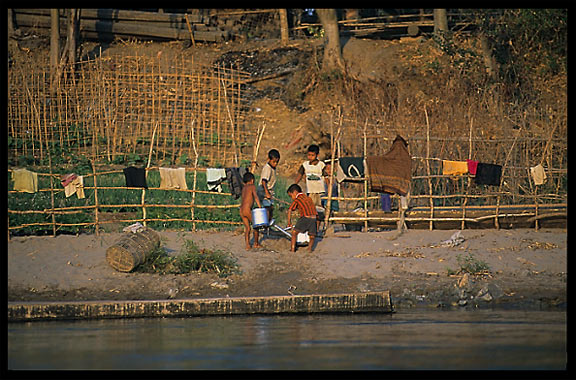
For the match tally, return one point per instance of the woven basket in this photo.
(131, 249)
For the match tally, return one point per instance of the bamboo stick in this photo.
(96, 219)
(195, 176)
(465, 201)
(334, 142)
(428, 168)
(235, 147)
(365, 182)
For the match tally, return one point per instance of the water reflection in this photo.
(427, 339)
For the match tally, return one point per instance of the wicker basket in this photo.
(131, 249)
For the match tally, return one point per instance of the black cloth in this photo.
(234, 178)
(135, 177)
(488, 174)
(352, 166)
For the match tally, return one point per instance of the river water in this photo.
(412, 339)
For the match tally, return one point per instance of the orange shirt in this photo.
(304, 205)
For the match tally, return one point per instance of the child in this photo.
(308, 213)
(267, 181)
(313, 169)
(248, 197)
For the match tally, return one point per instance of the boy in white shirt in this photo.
(265, 189)
(313, 170)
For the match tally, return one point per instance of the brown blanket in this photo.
(392, 172)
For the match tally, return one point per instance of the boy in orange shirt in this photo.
(308, 213)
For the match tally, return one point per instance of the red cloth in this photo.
(65, 179)
(472, 166)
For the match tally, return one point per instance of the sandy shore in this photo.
(527, 268)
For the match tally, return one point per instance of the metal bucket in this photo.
(259, 217)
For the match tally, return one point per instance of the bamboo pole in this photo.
(190, 30)
(465, 202)
(365, 182)
(334, 142)
(259, 135)
(147, 167)
(193, 204)
(496, 221)
(428, 168)
(96, 219)
(52, 193)
(234, 146)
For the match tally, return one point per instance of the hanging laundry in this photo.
(234, 177)
(214, 178)
(385, 203)
(74, 185)
(488, 174)
(454, 167)
(25, 180)
(472, 165)
(404, 199)
(135, 177)
(538, 174)
(173, 178)
(350, 168)
(392, 172)
(65, 179)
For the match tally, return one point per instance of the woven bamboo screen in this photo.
(111, 107)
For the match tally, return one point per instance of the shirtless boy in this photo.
(248, 198)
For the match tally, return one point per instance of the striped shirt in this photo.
(304, 205)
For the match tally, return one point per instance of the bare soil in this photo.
(526, 268)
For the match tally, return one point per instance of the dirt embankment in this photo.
(522, 268)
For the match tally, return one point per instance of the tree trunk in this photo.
(440, 24)
(10, 22)
(54, 41)
(73, 17)
(284, 25)
(489, 60)
(440, 21)
(333, 59)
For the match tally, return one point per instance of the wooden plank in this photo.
(106, 29)
(373, 302)
(118, 14)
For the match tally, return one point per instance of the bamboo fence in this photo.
(433, 192)
(93, 208)
(107, 108)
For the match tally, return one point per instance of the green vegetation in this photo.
(191, 259)
(470, 264)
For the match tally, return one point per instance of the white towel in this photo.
(214, 177)
(173, 178)
(538, 174)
